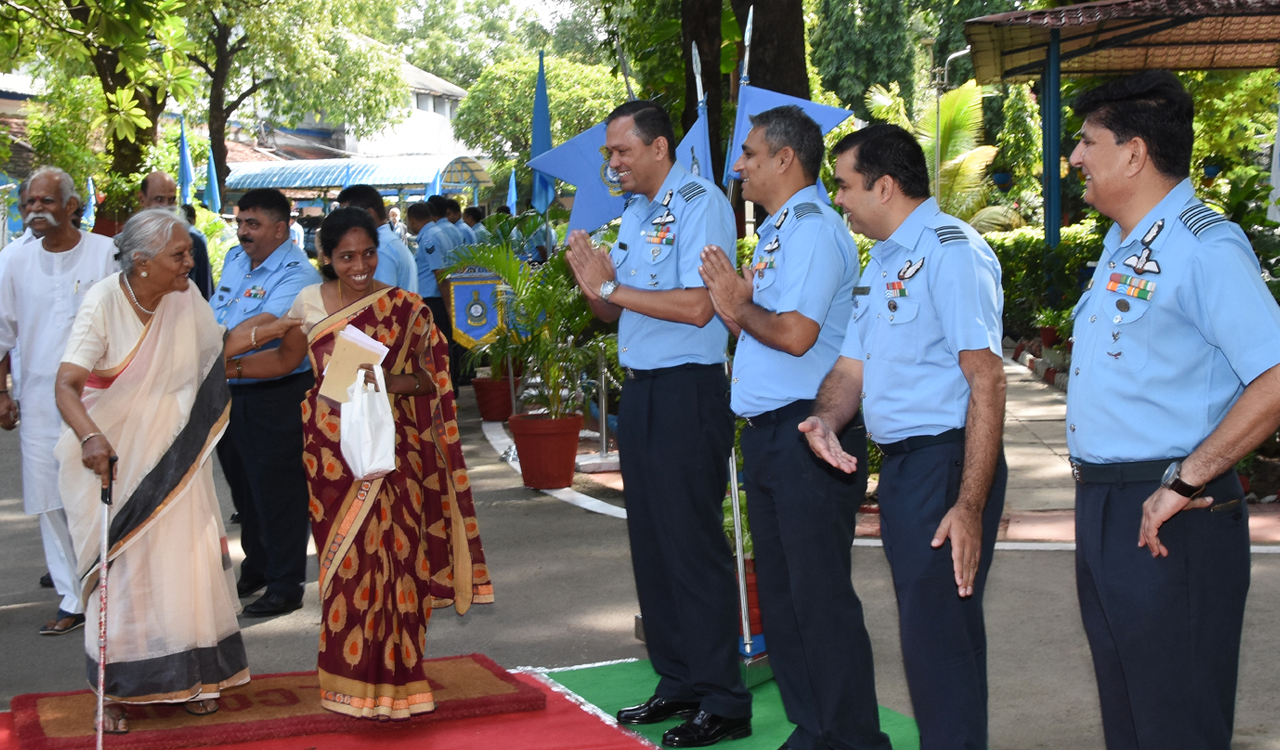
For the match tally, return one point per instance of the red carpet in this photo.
(268, 708)
(562, 726)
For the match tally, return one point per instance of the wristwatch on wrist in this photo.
(1173, 480)
(607, 289)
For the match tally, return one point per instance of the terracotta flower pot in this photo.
(494, 398)
(548, 449)
(1049, 335)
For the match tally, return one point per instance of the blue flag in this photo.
(511, 192)
(437, 185)
(753, 101)
(212, 197)
(694, 151)
(90, 201)
(583, 161)
(186, 172)
(544, 187)
(476, 307)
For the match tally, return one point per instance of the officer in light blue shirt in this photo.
(1173, 380)
(396, 265)
(451, 233)
(453, 211)
(923, 357)
(422, 219)
(790, 313)
(675, 430)
(259, 453)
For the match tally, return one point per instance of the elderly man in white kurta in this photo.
(40, 291)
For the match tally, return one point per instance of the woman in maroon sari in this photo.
(391, 548)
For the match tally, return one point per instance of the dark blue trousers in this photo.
(261, 455)
(944, 641)
(803, 513)
(1165, 633)
(675, 431)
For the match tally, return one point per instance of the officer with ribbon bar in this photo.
(1173, 380)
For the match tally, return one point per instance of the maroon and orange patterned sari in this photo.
(393, 548)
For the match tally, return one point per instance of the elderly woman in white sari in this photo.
(143, 376)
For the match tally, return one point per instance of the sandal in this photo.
(115, 719)
(64, 623)
(200, 707)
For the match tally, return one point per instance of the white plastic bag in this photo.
(368, 429)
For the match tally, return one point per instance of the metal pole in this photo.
(603, 395)
(743, 607)
(102, 602)
(943, 82)
(1052, 97)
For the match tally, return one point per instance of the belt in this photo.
(802, 407)
(273, 383)
(922, 441)
(634, 374)
(1122, 473)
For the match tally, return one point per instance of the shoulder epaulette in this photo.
(949, 234)
(1199, 217)
(691, 190)
(627, 203)
(807, 209)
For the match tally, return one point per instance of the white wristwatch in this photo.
(607, 289)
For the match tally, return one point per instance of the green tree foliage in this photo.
(1021, 151)
(458, 39)
(860, 44)
(496, 117)
(63, 125)
(1037, 277)
(1235, 115)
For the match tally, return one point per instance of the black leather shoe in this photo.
(270, 605)
(234, 518)
(655, 710)
(249, 588)
(46, 581)
(706, 729)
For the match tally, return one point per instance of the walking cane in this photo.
(102, 601)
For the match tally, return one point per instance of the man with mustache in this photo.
(261, 453)
(41, 288)
(159, 190)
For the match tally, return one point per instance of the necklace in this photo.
(125, 279)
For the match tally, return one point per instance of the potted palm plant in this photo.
(546, 317)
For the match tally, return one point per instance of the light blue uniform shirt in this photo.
(396, 265)
(1151, 378)
(298, 235)
(244, 292)
(430, 258)
(805, 262)
(453, 236)
(929, 292)
(658, 248)
(482, 235)
(468, 236)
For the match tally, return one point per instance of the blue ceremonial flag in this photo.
(476, 307)
(186, 172)
(212, 198)
(511, 192)
(544, 187)
(694, 151)
(753, 101)
(90, 201)
(437, 185)
(583, 161)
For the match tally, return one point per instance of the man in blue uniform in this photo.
(452, 233)
(922, 356)
(261, 454)
(430, 260)
(1173, 380)
(453, 212)
(790, 314)
(675, 430)
(396, 265)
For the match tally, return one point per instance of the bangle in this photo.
(4, 390)
(89, 437)
(239, 370)
(253, 337)
(417, 384)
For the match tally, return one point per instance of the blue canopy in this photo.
(457, 173)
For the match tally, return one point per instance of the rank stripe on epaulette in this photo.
(691, 191)
(807, 209)
(627, 203)
(1200, 217)
(949, 234)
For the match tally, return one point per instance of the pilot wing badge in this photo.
(910, 269)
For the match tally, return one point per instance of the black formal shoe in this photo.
(249, 588)
(235, 518)
(270, 605)
(46, 581)
(655, 710)
(706, 729)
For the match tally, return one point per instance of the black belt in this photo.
(922, 441)
(796, 411)
(1122, 473)
(633, 374)
(273, 383)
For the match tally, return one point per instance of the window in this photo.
(425, 102)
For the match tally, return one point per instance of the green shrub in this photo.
(1036, 277)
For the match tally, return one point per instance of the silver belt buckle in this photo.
(1075, 472)
(631, 375)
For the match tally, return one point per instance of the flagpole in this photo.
(744, 78)
(625, 70)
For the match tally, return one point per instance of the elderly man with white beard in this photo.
(40, 292)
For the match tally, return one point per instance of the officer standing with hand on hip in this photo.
(790, 314)
(675, 430)
(1173, 380)
(922, 355)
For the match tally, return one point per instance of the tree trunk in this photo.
(777, 45)
(700, 23)
(127, 157)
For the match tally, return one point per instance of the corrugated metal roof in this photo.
(398, 172)
(1122, 36)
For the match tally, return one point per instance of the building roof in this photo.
(238, 152)
(398, 172)
(1124, 36)
(420, 80)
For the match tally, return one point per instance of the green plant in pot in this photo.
(546, 318)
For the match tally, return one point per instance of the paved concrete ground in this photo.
(565, 596)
